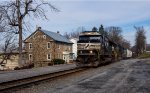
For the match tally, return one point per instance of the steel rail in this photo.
(31, 80)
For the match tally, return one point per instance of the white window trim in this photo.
(44, 36)
(49, 44)
(30, 45)
(30, 58)
(48, 55)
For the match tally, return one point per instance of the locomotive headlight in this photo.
(91, 51)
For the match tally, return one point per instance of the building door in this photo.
(66, 58)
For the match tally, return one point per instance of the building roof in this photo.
(56, 36)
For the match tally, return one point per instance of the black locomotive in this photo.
(94, 49)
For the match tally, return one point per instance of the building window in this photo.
(30, 56)
(65, 48)
(69, 48)
(49, 56)
(59, 56)
(48, 45)
(44, 36)
(30, 45)
(64, 58)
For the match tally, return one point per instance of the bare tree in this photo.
(67, 35)
(102, 30)
(126, 44)
(38, 50)
(74, 34)
(8, 48)
(94, 29)
(114, 33)
(14, 12)
(140, 40)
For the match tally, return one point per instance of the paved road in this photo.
(126, 76)
(131, 76)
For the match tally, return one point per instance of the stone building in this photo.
(43, 46)
(11, 60)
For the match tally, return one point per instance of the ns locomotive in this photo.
(94, 49)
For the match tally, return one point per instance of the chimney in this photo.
(38, 28)
(58, 32)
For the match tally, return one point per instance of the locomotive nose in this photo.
(86, 59)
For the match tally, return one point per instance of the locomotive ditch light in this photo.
(91, 51)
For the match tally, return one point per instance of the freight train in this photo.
(94, 49)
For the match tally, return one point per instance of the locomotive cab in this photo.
(89, 46)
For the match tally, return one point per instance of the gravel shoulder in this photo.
(130, 76)
(126, 76)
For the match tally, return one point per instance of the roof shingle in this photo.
(56, 36)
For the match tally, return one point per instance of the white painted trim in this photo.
(44, 36)
(30, 46)
(48, 56)
(49, 44)
(30, 58)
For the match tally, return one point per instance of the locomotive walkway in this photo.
(6, 76)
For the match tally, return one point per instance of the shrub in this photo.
(58, 61)
(31, 65)
(145, 55)
(28, 66)
(16, 68)
(50, 64)
(25, 67)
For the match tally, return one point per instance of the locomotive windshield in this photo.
(90, 39)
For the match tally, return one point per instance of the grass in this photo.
(145, 55)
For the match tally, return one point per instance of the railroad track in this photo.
(5, 86)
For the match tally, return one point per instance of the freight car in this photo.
(94, 49)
